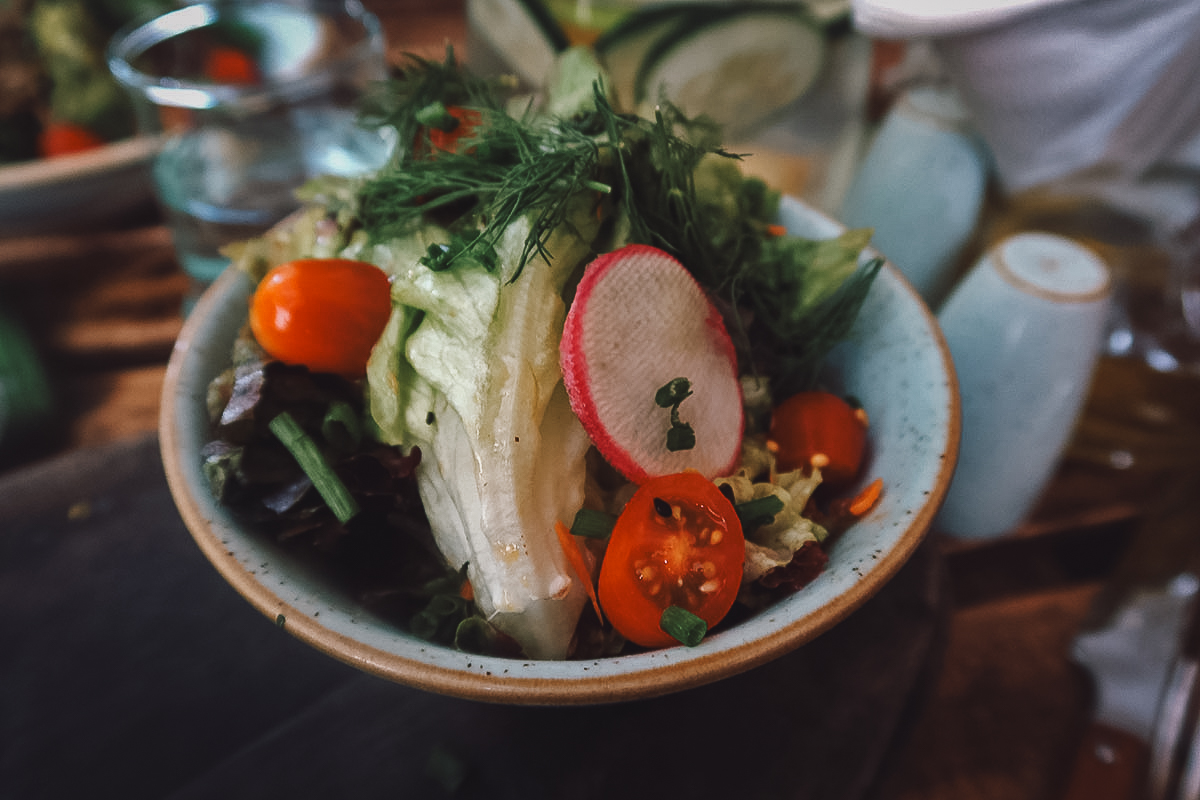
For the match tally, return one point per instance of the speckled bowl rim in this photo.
(353, 636)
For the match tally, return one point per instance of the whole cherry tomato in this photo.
(66, 138)
(819, 429)
(323, 313)
(677, 543)
(230, 65)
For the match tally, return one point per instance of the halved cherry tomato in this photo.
(467, 121)
(66, 138)
(677, 543)
(230, 65)
(323, 313)
(819, 429)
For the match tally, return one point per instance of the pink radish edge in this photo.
(577, 377)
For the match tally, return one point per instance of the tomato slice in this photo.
(323, 313)
(677, 543)
(819, 429)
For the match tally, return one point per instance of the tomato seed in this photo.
(717, 536)
(708, 587)
(819, 460)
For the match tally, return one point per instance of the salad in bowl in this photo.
(557, 406)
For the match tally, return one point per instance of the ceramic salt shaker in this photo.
(920, 186)
(1025, 329)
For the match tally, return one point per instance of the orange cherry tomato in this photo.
(468, 121)
(677, 543)
(323, 313)
(66, 138)
(230, 65)
(819, 429)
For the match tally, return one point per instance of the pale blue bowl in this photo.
(896, 362)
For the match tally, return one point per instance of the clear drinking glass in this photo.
(251, 100)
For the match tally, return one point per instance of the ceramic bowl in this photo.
(61, 194)
(895, 361)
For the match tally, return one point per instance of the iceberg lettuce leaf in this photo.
(468, 371)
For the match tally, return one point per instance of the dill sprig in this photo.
(657, 162)
(402, 102)
(510, 169)
(787, 301)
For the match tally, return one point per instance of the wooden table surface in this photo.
(1006, 711)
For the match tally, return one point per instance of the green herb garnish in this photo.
(308, 455)
(593, 524)
(760, 511)
(786, 300)
(683, 626)
(680, 436)
(342, 428)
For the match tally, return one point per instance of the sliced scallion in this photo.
(683, 626)
(308, 456)
(680, 435)
(342, 427)
(593, 524)
(758, 512)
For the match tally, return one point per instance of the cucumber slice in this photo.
(523, 33)
(623, 48)
(738, 68)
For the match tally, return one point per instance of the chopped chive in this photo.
(758, 512)
(673, 393)
(680, 436)
(593, 524)
(683, 626)
(342, 427)
(308, 455)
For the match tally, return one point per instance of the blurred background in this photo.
(945, 130)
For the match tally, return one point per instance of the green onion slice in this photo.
(683, 626)
(760, 511)
(593, 524)
(342, 427)
(308, 455)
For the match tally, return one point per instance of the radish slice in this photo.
(639, 321)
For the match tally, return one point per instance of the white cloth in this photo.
(905, 19)
(1061, 87)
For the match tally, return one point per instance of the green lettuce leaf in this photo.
(468, 371)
